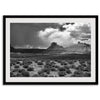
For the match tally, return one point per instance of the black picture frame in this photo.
(49, 16)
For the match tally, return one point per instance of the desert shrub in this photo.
(55, 66)
(81, 62)
(66, 67)
(89, 62)
(63, 63)
(11, 64)
(20, 62)
(21, 70)
(75, 60)
(68, 71)
(48, 63)
(17, 62)
(50, 75)
(53, 69)
(30, 69)
(47, 67)
(25, 74)
(61, 73)
(71, 61)
(35, 75)
(84, 68)
(16, 66)
(46, 70)
(25, 66)
(79, 68)
(56, 60)
(25, 62)
(40, 72)
(36, 61)
(19, 75)
(52, 63)
(11, 74)
(72, 66)
(40, 63)
(29, 62)
(16, 70)
(43, 74)
(78, 74)
(62, 69)
(87, 74)
(88, 69)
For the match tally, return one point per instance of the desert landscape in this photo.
(55, 61)
(50, 49)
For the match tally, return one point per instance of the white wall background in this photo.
(47, 7)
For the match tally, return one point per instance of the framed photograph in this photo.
(50, 50)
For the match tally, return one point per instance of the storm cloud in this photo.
(66, 34)
(41, 35)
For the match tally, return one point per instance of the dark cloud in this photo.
(42, 34)
(87, 36)
(81, 31)
(22, 34)
(75, 34)
(84, 29)
(69, 23)
(61, 28)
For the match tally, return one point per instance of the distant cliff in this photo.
(79, 48)
(54, 48)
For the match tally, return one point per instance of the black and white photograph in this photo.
(50, 49)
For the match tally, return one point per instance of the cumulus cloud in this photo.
(67, 34)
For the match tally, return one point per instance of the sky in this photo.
(41, 35)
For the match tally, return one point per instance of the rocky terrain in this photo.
(49, 68)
